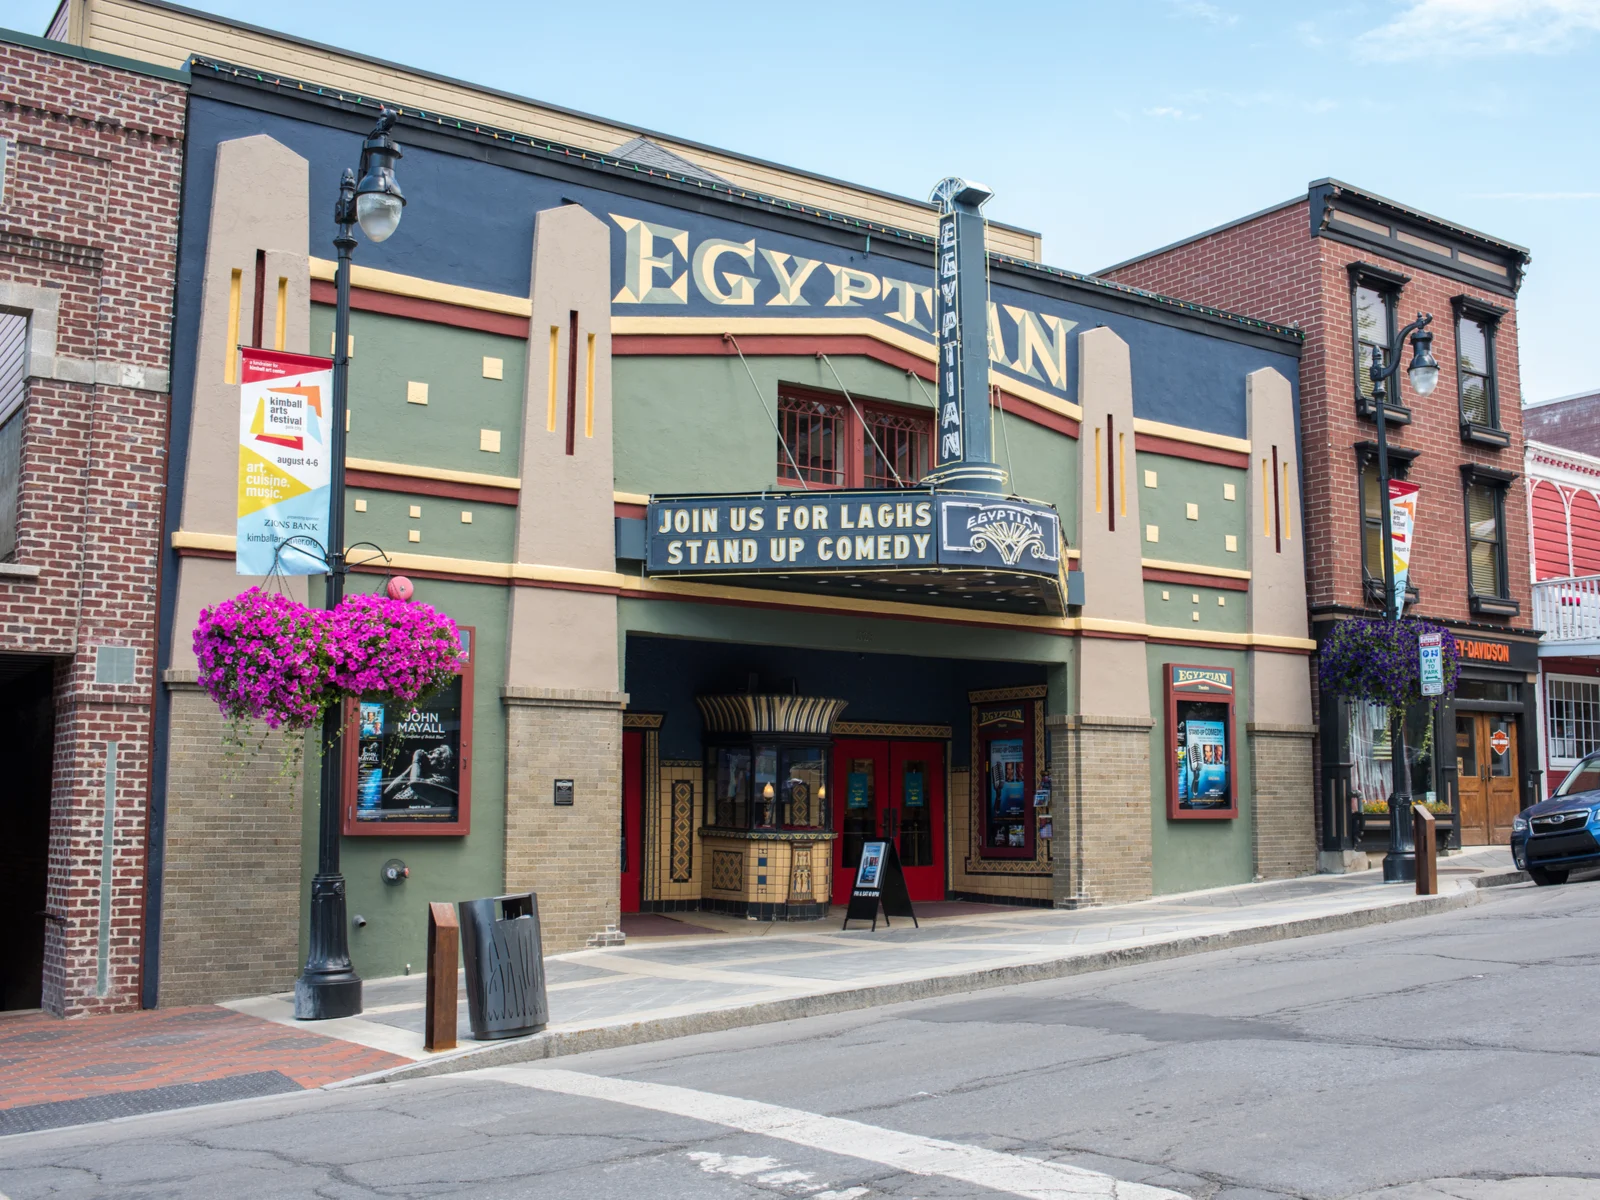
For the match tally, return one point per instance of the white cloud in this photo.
(1479, 28)
(1171, 114)
(1203, 11)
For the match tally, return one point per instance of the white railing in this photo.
(1568, 610)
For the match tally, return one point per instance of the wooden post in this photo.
(444, 952)
(1425, 839)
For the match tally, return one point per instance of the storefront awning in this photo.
(908, 545)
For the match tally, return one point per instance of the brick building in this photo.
(90, 161)
(1349, 268)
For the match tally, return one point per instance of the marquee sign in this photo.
(851, 531)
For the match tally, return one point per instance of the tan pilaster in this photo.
(1278, 724)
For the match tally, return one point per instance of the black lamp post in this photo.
(1400, 864)
(329, 985)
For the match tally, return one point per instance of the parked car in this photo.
(1561, 834)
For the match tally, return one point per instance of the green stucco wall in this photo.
(1189, 855)
(442, 868)
(1179, 483)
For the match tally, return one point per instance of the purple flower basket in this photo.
(1371, 659)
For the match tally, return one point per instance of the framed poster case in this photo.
(1005, 771)
(409, 773)
(1202, 769)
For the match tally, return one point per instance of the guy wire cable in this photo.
(860, 417)
(762, 400)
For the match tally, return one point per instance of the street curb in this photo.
(608, 1037)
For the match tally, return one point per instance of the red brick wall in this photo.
(90, 211)
(1272, 267)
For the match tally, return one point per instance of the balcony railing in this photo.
(1568, 610)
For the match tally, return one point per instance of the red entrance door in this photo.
(890, 790)
(632, 848)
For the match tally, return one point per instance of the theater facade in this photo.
(672, 453)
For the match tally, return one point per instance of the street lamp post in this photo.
(329, 986)
(1400, 863)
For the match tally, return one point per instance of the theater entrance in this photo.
(890, 790)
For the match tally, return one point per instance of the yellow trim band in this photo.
(1197, 437)
(1161, 564)
(417, 288)
(442, 474)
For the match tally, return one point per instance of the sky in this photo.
(1110, 127)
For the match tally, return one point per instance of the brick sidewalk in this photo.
(55, 1072)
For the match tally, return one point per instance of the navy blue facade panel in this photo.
(470, 222)
(665, 675)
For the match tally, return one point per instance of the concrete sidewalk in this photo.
(662, 987)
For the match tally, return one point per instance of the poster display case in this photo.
(1202, 780)
(1006, 758)
(408, 770)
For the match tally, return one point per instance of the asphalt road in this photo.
(1451, 1056)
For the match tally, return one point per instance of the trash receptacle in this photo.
(504, 960)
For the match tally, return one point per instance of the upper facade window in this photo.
(1400, 460)
(1488, 579)
(1374, 297)
(1475, 372)
(828, 442)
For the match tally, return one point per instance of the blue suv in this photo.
(1561, 834)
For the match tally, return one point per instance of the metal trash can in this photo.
(504, 959)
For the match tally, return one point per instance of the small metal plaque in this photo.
(564, 791)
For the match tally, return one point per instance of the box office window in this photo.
(408, 768)
(768, 785)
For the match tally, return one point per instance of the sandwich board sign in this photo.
(880, 883)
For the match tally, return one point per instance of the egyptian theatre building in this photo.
(759, 555)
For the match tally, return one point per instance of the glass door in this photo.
(861, 782)
(916, 774)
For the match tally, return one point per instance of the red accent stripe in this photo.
(1152, 444)
(1192, 579)
(479, 493)
(630, 510)
(436, 311)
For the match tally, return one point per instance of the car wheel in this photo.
(1544, 878)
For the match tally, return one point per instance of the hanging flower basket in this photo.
(394, 650)
(1376, 660)
(265, 657)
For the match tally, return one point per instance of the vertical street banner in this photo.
(1402, 524)
(285, 439)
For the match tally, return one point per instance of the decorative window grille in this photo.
(904, 441)
(814, 431)
(1572, 713)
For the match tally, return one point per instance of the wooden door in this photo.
(1500, 775)
(632, 844)
(916, 790)
(1486, 774)
(1469, 779)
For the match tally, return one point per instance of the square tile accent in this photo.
(413, 535)
(1231, 543)
(493, 368)
(1150, 479)
(1228, 492)
(361, 506)
(416, 393)
(1196, 616)
(1194, 597)
(350, 344)
(416, 510)
(466, 516)
(1222, 602)
(1192, 511)
(489, 441)
(1152, 533)
(1166, 595)
(113, 664)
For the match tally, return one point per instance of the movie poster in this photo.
(1202, 754)
(408, 762)
(1008, 790)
